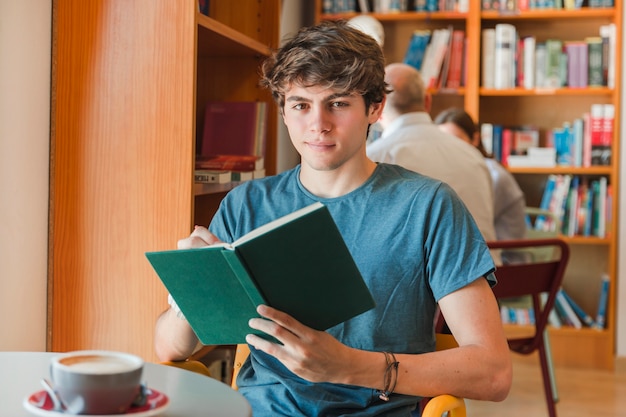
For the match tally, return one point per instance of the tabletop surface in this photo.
(190, 394)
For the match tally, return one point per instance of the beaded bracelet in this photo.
(391, 374)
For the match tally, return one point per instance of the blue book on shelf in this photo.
(602, 303)
(417, 47)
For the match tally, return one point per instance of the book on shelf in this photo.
(212, 177)
(455, 77)
(504, 56)
(580, 312)
(234, 128)
(603, 301)
(608, 34)
(528, 55)
(435, 55)
(486, 137)
(566, 311)
(240, 176)
(488, 44)
(230, 162)
(414, 54)
(595, 74)
(298, 264)
(552, 77)
(541, 61)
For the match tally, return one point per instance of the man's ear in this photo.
(376, 110)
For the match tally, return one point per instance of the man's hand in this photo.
(199, 238)
(311, 354)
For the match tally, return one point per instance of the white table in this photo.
(190, 394)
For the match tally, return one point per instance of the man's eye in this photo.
(299, 106)
(339, 104)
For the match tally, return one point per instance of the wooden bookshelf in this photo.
(545, 108)
(130, 80)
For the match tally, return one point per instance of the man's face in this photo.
(326, 127)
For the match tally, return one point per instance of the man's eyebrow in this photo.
(329, 98)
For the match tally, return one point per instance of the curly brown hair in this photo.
(331, 54)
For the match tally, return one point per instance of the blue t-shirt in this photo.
(413, 241)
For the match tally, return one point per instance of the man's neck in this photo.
(337, 182)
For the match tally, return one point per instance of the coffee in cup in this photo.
(96, 381)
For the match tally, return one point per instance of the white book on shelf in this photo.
(529, 62)
(486, 137)
(540, 64)
(434, 56)
(488, 52)
(504, 56)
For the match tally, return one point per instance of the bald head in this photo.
(409, 94)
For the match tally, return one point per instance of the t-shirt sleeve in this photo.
(456, 253)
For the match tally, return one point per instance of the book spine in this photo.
(488, 64)
(486, 137)
(553, 63)
(567, 309)
(217, 177)
(529, 62)
(602, 303)
(540, 64)
(595, 76)
(455, 71)
(596, 127)
(582, 314)
(504, 56)
(608, 121)
(414, 55)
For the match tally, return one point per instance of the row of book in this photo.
(566, 311)
(503, 6)
(223, 172)
(510, 60)
(586, 141)
(439, 55)
(514, 6)
(393, 6)
(580, 206)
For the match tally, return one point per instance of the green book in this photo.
(298, 263)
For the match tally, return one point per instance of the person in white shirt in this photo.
(509, 200)
(411, 139)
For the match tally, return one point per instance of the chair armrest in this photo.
(189, 365)
(438, 405)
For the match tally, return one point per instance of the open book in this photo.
(298, 264)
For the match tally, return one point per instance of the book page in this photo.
(276, 223)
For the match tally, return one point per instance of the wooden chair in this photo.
(539, 275)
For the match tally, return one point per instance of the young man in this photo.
(413, 240)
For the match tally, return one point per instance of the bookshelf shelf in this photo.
(544, 108)
(218, 39)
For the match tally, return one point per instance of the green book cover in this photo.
(298, 264)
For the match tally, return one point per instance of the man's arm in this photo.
(174, 338)
(480, 368)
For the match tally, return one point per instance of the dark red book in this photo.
(230, 162)
(234, 128)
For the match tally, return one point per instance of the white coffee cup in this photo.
(96, 381)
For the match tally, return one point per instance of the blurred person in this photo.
(509, 200)
(411, 139)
